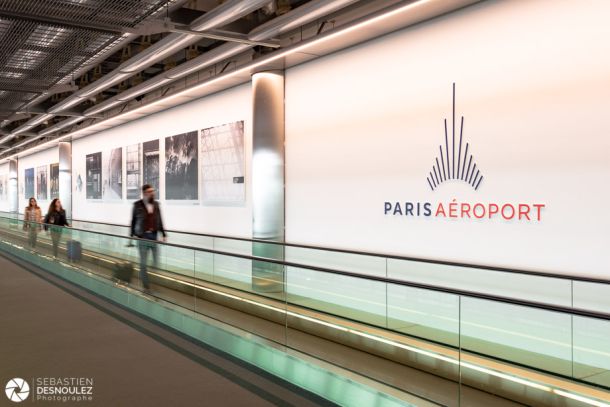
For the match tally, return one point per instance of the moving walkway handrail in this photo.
(446, 290)
(382, 255)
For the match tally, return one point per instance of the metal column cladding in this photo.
(65, 176)
(13, 185)
(268, 178)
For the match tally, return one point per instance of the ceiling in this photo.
(72, 67)
(44, 42)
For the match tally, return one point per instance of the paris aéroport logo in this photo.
(452, 166)
(455, 162)
(17, 390)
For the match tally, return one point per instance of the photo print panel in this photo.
(29, 183)
(181, 170)
(94, 176)
(3, 187)
(150, 164)
(134, 171)
(41, 183)
(54, 181)
(112, 170)
(222, 164)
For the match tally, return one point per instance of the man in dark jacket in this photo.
(146, 224)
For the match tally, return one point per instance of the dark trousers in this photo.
(149, 243)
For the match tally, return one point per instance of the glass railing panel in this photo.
(204, 242)
(204, 266)
(424, 313)
(232, 271)
(16, 233)
(326, 309)
(547, 290)
(260, 278)
(243, 247)
(101, 227)
(592, 296)
(249, 287)
(82, 249)
(5, 224)
(171, 271)
(119, 248)
(354, 298)
(529, 336)
(354, 263)
(592, 350)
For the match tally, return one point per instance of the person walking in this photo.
(32, 220)
(146, 224)
(55, 220)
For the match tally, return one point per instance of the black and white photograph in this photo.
(181, 170)
(112, 170)
(94, 176)
(150, 163)
(54, 181)
(29, 183)
(3, 187)
(133, 167)
(42, 183)
(79, 183)
(222, 164)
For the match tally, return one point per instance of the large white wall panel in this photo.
(225, 107)
(532, 81)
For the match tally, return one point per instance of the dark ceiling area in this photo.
(43, 42)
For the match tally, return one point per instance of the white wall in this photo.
(43, 158)
(4, 202)
(364, 126)
(225, 107)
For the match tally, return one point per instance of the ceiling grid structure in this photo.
(43, 41)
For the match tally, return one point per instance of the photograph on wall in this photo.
(3, 187)
(112, 170)
(41, 183)
(181, 170)
(79, 183)
(133, 164)
(94, 176)
(222, 164)
(29, 183)
(150, 164)
(54, 181)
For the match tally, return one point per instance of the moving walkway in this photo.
(408, 329)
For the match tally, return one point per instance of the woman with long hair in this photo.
(55, 220)
(32, 220)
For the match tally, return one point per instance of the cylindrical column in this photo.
(65, 176)
(13, 185)
(268, 178)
